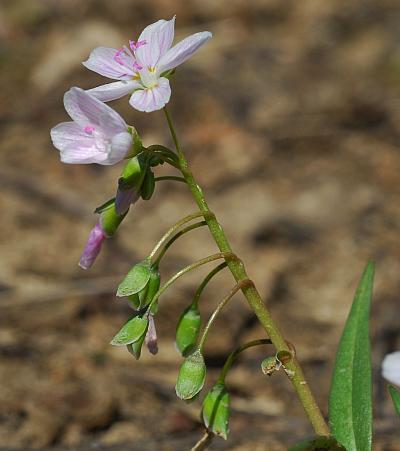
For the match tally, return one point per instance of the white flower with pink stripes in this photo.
(140, 68)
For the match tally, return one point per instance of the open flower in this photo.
(391, 368)
(140, 68)
(98, 134)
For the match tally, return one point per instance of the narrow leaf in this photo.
(350, 402)
(132, 331)
(395, 398)
(318, 444)
(136, 279)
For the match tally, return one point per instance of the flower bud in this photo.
(93, 246)
(151, 336)
(216, 411)
(136, 279)
(391, 368)
(191, 377)
(188, 330)
(131, 331)
(110, 219)
(148, 185)
(269, 365)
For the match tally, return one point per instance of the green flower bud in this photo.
(136, 279)
(269, 365)
(216, 411)
(148, 185)
(131, 332)
(136, 348)
(191, 377)
(188, 329)
(134, 172)
(134, 301)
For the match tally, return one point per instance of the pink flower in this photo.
(97, 134)
(151, 336)
(93, 246)
(140, 68)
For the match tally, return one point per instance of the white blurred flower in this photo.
(391, 368)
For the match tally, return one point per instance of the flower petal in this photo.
(391, 368)
(182, 51)
(85, 109)
(68, 133)
(102, 61)
(93, 246)
(81, 153)
(113, 91)
(121, 144)
(152, 99)
(158, 37)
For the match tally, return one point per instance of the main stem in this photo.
(251, 294)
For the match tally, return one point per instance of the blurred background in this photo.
(290, 118)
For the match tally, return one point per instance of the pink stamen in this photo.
(89, 129)
(135, 45)
(137, 66)
(117, 56)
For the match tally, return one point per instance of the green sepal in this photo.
(137, 144)
(191, 377)
(104, 206)
(135, 348)
(350, 400)
(110, 220)
(148, 185)
(136, 279)
(152, 287)
(131, 331)
(134, 301)
(216, 410)
(134, 171)
(318, 444)
(188, 329)
(395, 394)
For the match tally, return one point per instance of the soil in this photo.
(290, 118)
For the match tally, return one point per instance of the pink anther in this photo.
(117, 56)
(135, 45)
(89, 129)
(137, 66)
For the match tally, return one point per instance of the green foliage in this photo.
(318, 444)
(131, 332)
(148, 186)
(395, 394)
(350, 403)
(188, 329)
(136, 279)
(216, 411)
(135, 348)
(191, 377)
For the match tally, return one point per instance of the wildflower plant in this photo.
(97, 134)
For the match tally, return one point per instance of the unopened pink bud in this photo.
(93, 246)
(151, 336)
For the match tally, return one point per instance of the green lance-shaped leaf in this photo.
(318, 444)
(136, 279)
(188, 329)
(148, 185)
(350, 403)
(131, 332)
(191, 377)
(395, 398)
(135, 348)
(216, 411)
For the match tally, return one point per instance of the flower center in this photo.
(89, 129)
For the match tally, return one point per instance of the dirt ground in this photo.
(290, 118)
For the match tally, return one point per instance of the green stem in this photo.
(233, 355)
(226, 255)
(170, 177)
(175, 237)
(172, 230)
(216, 312)
(252, 295)
(205, 282)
